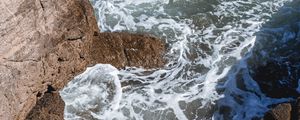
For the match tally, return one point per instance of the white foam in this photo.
(96, 92)
(217, 46)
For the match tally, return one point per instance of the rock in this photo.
(127, 50)
(47, 43)
(289, 111)
(284, 111)
(49, 107)
(34, 36)
(280, 112)
(277, 79)
(275, 56)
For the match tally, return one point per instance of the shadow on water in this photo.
(267, 75)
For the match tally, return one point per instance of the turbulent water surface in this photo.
(211, 44)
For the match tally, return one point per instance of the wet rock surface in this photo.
(284, 111)
(277, 79)
(280, 112)
(123, 49)
(47, 43)
(275, 64)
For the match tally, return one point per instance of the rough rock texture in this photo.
(280, 112)
(122, 49)
(277, 79)
(284, 111)
(49, 107)
(275, 60)
(46, 43)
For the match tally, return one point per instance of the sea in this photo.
(214, 48)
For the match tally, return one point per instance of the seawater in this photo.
(210, 43)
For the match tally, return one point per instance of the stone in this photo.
(277, 80)
(280, 112)
(128, 50)
(49, 107)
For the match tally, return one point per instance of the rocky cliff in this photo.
(44, 44)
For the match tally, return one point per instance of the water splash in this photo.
(96, 93)
(206, 38)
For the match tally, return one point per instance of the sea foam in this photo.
(209, 44)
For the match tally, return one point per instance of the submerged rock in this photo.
(284, 111)
(276, 54)
(49, 107)
(275, 64)
(123, 49)
(280, 112)
(47, 43)
(277, 79)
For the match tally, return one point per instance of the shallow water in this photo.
(211, 43)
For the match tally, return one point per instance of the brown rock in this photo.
(47, 43)
(49, 107)
(280, 112)
(34, 35)
(127, 50)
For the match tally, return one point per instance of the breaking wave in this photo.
(210, 51)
